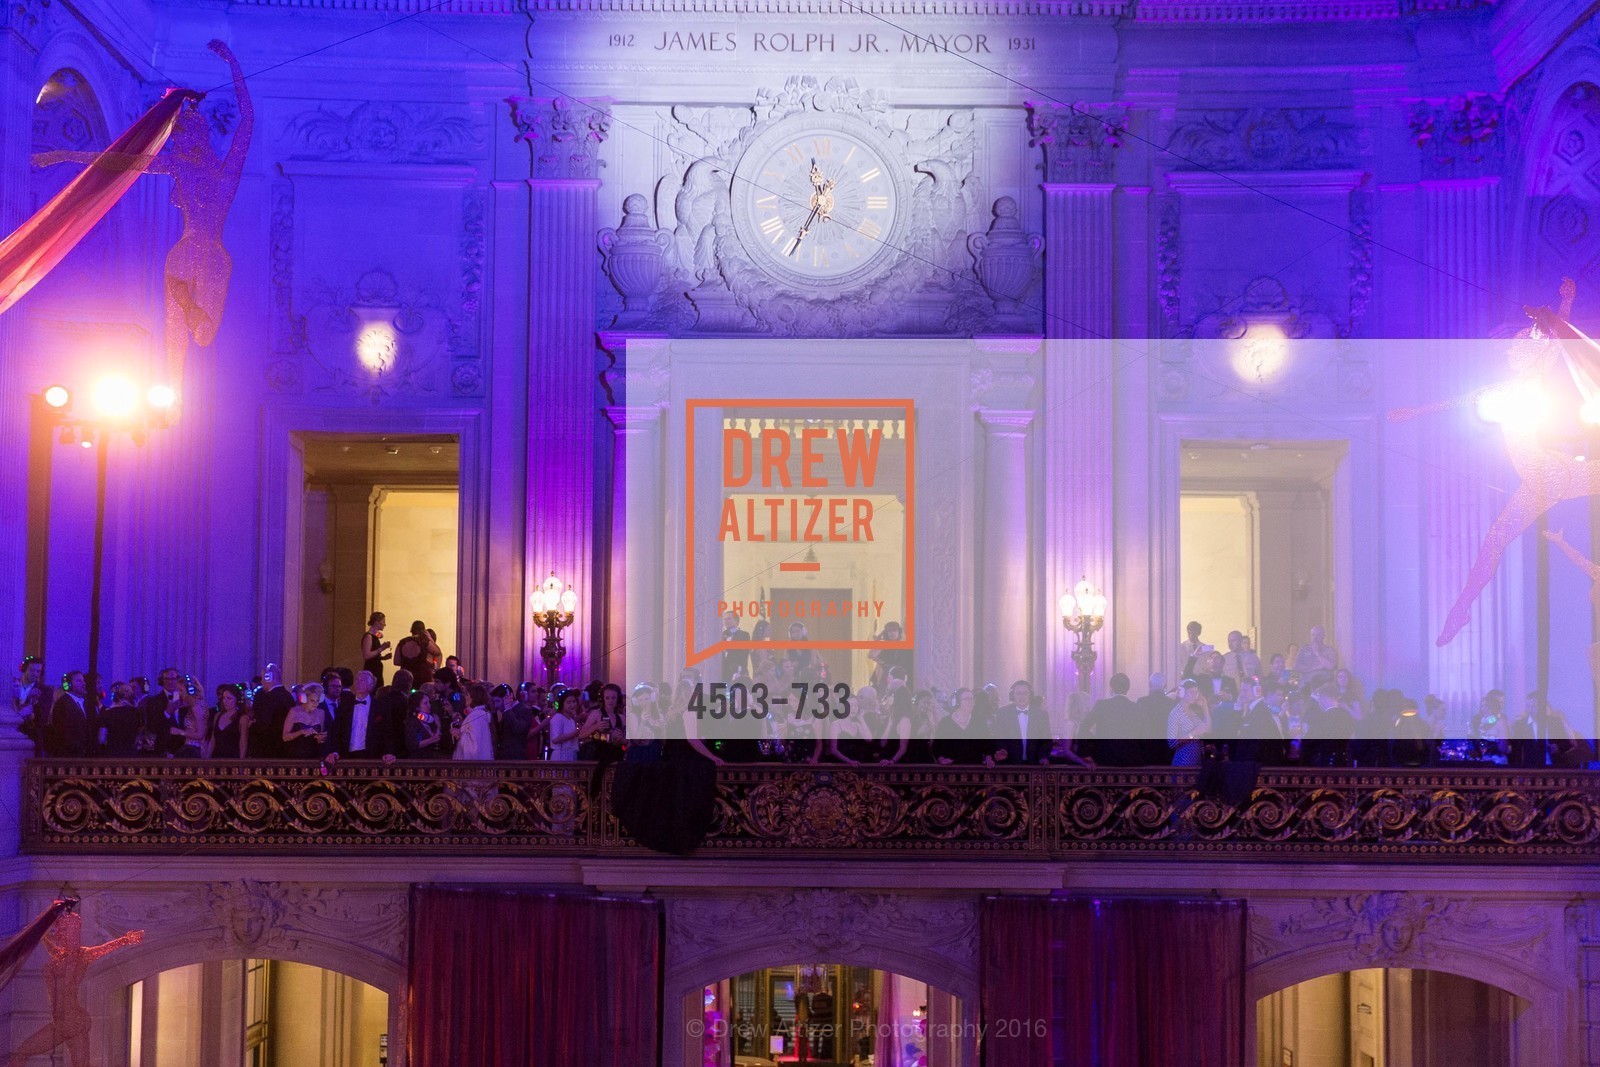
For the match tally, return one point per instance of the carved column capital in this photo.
(1079, 140)
(1462, 137)
(563, 135)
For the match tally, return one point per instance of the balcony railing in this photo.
(1430, 815)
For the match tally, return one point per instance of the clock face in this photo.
(817, 205)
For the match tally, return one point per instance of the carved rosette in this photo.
(1463, 137)
(1006, 260)
(1079, 141)
(633, 255)
(563, 135)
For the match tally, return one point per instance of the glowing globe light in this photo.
(376, 347)
(1519, 406)
(1261, 354)
(57, 396)
(114, 397)
(161, 397)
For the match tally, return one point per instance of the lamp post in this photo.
(1083, 611)
(554, 604)
(115, 404)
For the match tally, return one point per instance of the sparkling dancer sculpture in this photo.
(203, 185)
(1548, 476)
(63, 978)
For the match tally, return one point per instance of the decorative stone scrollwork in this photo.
(1266, 139)
(184, 807)
(1006, 260)
(1463, 137)
(633, 259)
(924, 286)
(1377, 928)
(936, 937)
(1079, 142)
(252, 917)
(380, 132)
(563, 135)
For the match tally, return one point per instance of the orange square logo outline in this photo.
(907, 626)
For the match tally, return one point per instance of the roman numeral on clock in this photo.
(871, 175)
(869, 228)
(877, 203)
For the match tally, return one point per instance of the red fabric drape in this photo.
(521, 979)
(36, 246)
(14, 953)
(1108, 982)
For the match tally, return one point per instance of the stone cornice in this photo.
(1145, 11)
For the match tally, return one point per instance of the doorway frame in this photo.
(280, 448)
(1356, 503)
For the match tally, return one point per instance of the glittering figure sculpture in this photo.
(63, 976)
(1548, 476)
(203, 185)
(1592, 569)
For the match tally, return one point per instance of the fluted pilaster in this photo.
(1078, 405)
(1460, 227)
(561, 403)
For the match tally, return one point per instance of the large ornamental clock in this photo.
(818, 201)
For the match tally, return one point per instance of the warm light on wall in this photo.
(113, 397)
(1519, 406)
(376, 347)
(1261, 354)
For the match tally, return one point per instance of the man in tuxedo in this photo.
(734, 660)
(1240, 663)
(67, 734)
(1022, 729)
(272, 706)
(1261, 733)
(363, 726)
(389, 709)
(162, 712)
(1150, 713)
(32, 696)
(1111, 729)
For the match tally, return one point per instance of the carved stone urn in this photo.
(1005, 259)
(633, 253)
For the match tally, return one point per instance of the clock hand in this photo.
(799, 236)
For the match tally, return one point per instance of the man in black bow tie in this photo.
(364, 728)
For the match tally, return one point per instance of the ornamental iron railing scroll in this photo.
(1439, 815)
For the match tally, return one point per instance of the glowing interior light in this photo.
(57, 396)
(1518, 406)
(161, 397)
(1260, 355)
(376, 347)
(114, 397)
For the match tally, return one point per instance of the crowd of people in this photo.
(1300, 708)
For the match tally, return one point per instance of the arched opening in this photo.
(1566, 199)
(824, 1015)
(1389, 1017)
(252, 1013)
